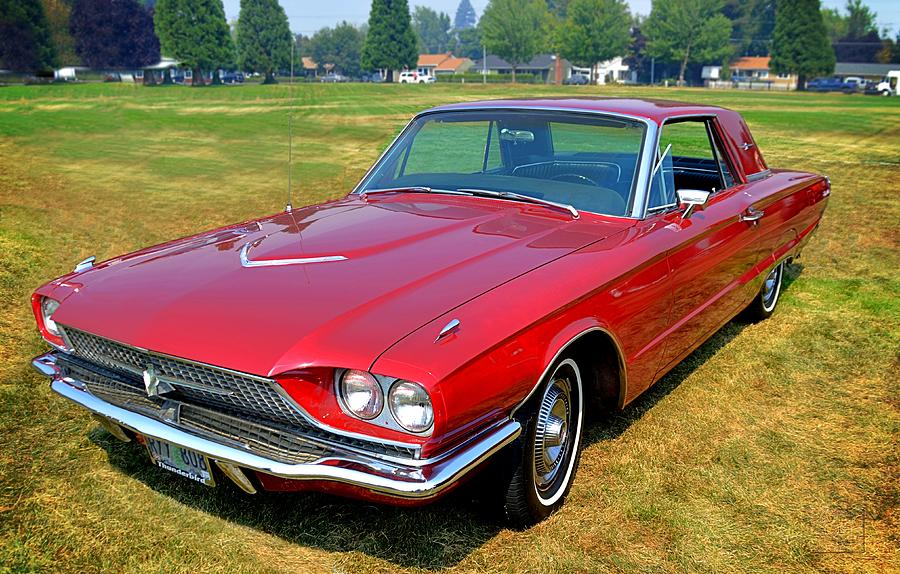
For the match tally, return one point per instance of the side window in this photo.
(695, 161)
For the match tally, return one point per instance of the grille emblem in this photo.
(153, 385)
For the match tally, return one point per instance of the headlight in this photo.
(361, 394)
(411, 406)
(48, 308)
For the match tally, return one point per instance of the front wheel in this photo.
(766, 300)
(551, 447)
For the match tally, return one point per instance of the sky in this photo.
(307, 16)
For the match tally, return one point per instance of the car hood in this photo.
(377, 269)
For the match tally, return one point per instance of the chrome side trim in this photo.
(623, 373)
(758, 175)
(341, 466)
(247, 262)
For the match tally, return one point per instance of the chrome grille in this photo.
(242, 404)
(199, 383)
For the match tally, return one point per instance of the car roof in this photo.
(650, 109)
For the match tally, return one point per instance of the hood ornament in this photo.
(247, 262)
(449, 329)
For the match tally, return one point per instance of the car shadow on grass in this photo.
(433, 537)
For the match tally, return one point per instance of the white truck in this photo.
(889, 86)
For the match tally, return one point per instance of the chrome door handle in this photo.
(752, 215)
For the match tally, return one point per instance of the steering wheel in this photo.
(574, 178)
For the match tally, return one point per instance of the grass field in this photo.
(774, 448)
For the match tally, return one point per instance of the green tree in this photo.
(391, 42)
(515, 30)
(26, 44)
(688, 31)
(835, 24)
(432, 29)
(113, 33)
(595, 31)
(58, 13)
(753, 22)
(263, 38)
(340, 47)
(860, 20)
(467, 44)
(195, 33)
(800, 44)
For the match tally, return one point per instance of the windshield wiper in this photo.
(413, 189)
(523, 198)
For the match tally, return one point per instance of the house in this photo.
(439, 64)
(752, 72)
(614, 71)
(543, 66)
(310, 67)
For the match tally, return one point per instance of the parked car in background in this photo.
(834, 84)
(888, 86)
(232, 77)
(505, 270)
(334, 78)
(412, 77)
(577, 80)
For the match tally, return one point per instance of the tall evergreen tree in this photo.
(391, 42)
(113, 33)
(263, 38)
(25, 41)
(465, 16)
(515, 39)
(800, 43)
(195, 33)
(687, 31)
(595, 31)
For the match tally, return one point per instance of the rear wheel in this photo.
(551, 447)
(767, 299)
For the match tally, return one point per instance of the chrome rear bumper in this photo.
(422, 480)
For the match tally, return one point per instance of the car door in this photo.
(711, 250)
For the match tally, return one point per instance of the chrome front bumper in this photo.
(419, 480)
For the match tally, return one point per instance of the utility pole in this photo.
(484, 64)
(652, 71)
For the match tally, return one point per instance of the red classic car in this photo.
(504, 269)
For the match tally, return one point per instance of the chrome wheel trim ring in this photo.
(551, 433)
(772, 288)
(565, 391)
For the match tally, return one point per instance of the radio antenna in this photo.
(289, 207)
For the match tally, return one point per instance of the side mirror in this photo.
(691, 199)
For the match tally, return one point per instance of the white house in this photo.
(614, 71)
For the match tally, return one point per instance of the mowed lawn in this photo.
(773, 448)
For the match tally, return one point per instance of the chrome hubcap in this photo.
(771, 287)
(552, 432)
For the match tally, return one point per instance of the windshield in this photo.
(588, 161)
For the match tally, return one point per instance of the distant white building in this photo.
(614, 71)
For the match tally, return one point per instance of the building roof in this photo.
(433, 60)
(452, 64)
(539, 62)
(751, 63)
(309, 63)
(863, 69)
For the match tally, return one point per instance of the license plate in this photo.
(183, 461)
